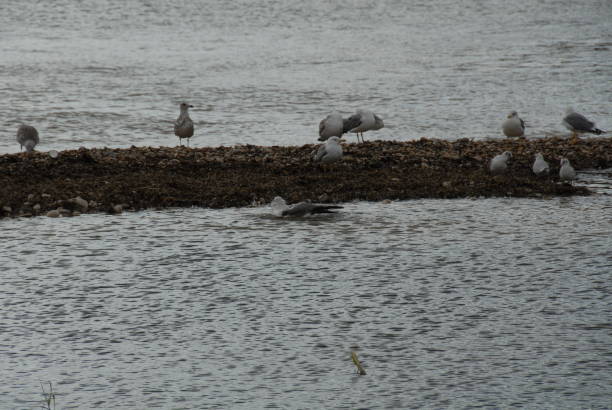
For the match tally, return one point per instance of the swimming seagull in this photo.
(362, 121)
(566, 172)
(499, 163)
(540, 166)
(331, 126)
(27, 137)
(579, 124)
(280, 208)
(183, 126)
(513, 126)
(329, 152)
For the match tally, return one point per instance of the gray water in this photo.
(449, 303)
(95, 73)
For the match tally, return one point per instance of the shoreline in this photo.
(113, 180)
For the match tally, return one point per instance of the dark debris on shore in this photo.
(112, 180)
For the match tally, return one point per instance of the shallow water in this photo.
(449, 303)
(97, 73)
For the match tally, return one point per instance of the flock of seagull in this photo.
(333, 127)
(514, 126)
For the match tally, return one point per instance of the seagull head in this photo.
(507, 155)
(278, 205)
(564, 161)
(539, 155)
(513, 114)
(333, 140)
(569, 110)
(185, 107)
(29, 145)
(278, 201)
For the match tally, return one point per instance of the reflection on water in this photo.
(494, 302)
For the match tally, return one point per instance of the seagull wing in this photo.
(351, 122)
(322, 126)
(305, 208)
(320, 153)
(579, 122)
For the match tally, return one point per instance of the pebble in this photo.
(53, 213)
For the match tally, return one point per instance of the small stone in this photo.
(7, 209)
(53, 213)
(64, 211)
(446, 184)
(46, 196)
(81, 203)
(76, 213)
(30, 197)
(36, 208)
(117, 209)
(387, 201)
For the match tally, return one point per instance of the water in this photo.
(449, 303)
(94, 73)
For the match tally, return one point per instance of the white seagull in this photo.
(579, 124)
(183, 126)
(280, 208)
(27, 137)
(329, 152)
(540, 166)
(566, 172)
(362, 121)
(513, 126)
(499, 163)
(331, 126)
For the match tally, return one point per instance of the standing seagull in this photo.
(579, 124)
(513, 126)
(329, 152)
(566, 172)
(280, 208)
(27, 137)
(499, 163)
(362, 121)
(540, 166)
(331, 126)
(183, 126)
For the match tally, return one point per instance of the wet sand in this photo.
(113, 180)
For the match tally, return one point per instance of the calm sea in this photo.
(471, 303)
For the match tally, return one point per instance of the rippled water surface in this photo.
(96, 72)
(491, 303)
(449, 303)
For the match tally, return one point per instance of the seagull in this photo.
(280, 208)
(27, 137)
(513, 126)
(499, 163)
(362, 121)
(579, 124)
(183, 126)
(329, 152)
(540, 166)
(566, 172)
(331, 126)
